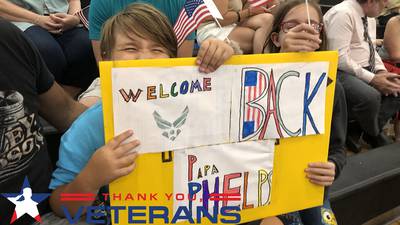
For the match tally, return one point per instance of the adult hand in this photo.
(47, 23)
(115, 159)
(301, 38)
(386, 83)
(212, 54)
(67, 21)
(321, 173)
(257, 10)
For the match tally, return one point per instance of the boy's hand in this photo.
(321, 173)
(112, 161)
(212, 54)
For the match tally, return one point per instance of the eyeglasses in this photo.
(286, 26)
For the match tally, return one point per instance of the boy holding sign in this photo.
(130, 34)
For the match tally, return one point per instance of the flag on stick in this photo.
(258, 3)
(190, 17)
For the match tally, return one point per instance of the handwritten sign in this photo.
(217, 124)
(180, 107)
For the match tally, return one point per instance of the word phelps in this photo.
(154, 92)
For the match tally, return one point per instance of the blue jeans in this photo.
(69, 56)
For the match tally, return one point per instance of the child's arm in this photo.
(324, 173)
(110, 162)
(321, 173)
(212, 54)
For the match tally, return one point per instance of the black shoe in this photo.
(353, 137)
(377, 141)
(353, 144)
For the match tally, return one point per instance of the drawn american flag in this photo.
(254, 88)
(190, 17)
(257, 3)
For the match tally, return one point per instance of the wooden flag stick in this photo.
(308, 13)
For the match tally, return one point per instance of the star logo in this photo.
(25, 202)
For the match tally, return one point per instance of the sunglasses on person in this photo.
(286, 26)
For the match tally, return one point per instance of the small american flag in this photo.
(83, 14)
(190, 17)
(258, 3)
(254, 88)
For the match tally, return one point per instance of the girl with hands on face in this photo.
(292, 33)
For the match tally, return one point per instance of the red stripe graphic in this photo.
(77, 194)
(77, 199)
(225, 197)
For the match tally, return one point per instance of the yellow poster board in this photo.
(290, 189)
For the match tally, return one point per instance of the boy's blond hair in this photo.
(142, 20)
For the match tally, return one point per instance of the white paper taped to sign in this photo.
(177, 107)
(220, 178)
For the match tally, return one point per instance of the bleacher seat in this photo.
(369, 185)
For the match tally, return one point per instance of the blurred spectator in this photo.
(27, 89)
(371, 91)
(246, 25)
(101, 10)
(54, 28)
(390, 51)
(391, 9)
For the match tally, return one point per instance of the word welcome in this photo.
(185, 87)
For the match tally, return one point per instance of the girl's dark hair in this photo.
(283, 9)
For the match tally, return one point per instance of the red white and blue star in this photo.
(25, 202)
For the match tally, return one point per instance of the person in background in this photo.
(390, 51)
(245, 25)
(101, 10)
(56, 31)
(372, 92)
(27, 90)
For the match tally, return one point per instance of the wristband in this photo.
(238, 16)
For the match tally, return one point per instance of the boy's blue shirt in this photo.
(78, 144)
